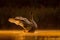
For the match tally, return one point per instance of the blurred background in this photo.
(46, 13)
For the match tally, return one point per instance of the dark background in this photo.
(46, 13)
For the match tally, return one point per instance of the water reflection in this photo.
(30, 38)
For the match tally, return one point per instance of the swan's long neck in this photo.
(33, 21)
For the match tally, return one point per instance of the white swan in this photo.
(19, 21)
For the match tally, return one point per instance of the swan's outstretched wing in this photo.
(24, 19)
(17, 22)
(32, 22)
